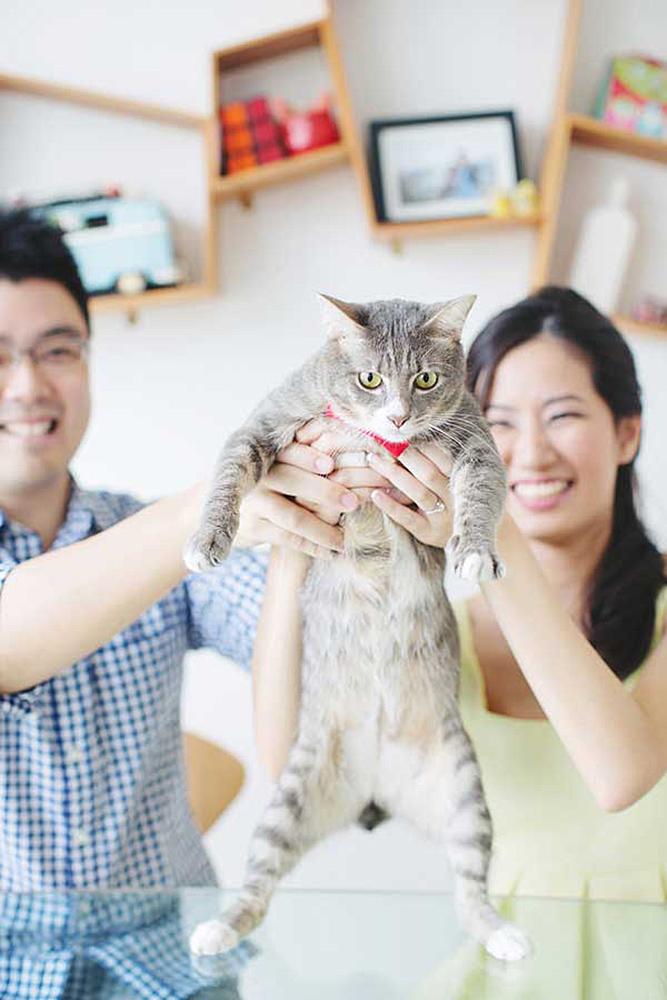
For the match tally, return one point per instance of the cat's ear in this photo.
(448, 317)
(340, 318)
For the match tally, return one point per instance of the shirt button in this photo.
(74, 754)
(81, 837)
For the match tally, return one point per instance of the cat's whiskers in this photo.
(463, 424)
(448, 436)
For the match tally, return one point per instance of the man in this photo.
(97, 609)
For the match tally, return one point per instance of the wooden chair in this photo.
(214, 778)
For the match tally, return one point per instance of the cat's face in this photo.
(397, 367)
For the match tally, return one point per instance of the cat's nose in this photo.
(398, 421)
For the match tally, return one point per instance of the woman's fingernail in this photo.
(378, 495)
(324, 464)
(349, 501)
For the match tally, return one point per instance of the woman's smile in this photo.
(541, 494)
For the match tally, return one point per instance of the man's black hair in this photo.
(32, 247)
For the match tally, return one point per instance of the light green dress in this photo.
(552, 840)
(550, 837)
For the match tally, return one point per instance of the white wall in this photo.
(169, 389)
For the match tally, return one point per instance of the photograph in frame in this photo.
(442, 167)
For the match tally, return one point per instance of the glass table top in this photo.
(323, 946)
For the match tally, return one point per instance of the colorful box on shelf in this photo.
(258, 131)
(265, 130)
(303, 131)
(634, 96)
(250, 135)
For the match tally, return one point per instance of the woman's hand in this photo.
(422, 474)
(420, 477)
(298, 503)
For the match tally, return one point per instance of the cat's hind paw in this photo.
(508, 944)
(477, 565)
(213, 937)
(205, 550)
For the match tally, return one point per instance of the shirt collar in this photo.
(87, 513)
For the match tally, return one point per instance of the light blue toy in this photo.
(119, 244)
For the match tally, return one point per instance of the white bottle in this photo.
(603, 249)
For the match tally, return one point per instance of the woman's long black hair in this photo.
(619, 617)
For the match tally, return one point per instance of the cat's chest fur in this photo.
(373, 619)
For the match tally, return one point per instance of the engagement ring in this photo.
(436, 509)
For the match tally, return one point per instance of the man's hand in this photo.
(271, 512)
(299, 501)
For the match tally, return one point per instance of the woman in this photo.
(564, 661)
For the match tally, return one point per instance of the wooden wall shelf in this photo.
(189, 291)
(132, 304)
(587, 131)
(569, 129)
(396, 231)
(313, 35)
(101, 102)
(636, 326)
(245, 182)
(278, 43)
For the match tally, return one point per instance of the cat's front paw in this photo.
(508, 944)
(213, 937)
(471, 562)
(206, 549)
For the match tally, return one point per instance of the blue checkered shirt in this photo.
(111, 946)
(92, 781)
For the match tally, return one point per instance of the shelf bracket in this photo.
(245, 198)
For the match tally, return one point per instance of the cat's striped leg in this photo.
(441, 792)
(307, 804)
(469, 840)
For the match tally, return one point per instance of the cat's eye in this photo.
(369, 380)
(426, 380)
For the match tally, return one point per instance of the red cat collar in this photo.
(395, 448)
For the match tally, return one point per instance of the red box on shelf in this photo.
(250, 135)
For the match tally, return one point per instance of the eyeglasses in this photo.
(57, 354)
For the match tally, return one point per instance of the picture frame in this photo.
(442, 167)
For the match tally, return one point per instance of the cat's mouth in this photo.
(395, 442)
(392, 433)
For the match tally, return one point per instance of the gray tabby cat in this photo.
(379, 724)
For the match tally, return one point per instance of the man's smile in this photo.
(29, 428)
